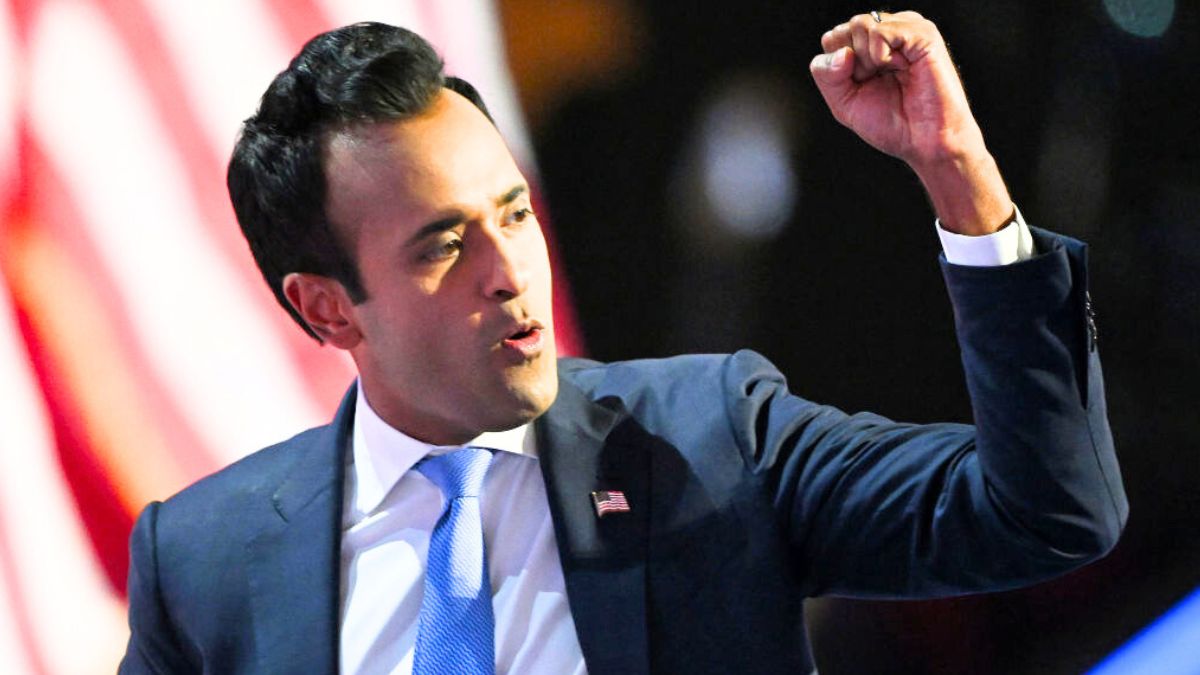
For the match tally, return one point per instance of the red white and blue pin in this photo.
(609, 501)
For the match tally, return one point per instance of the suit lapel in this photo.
(293, 562)
(583, 448)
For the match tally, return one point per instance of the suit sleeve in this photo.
(154, 646)
(876, 508)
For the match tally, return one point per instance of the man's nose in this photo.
(506, 276)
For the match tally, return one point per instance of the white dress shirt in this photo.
(1010, 244)
(390, 512)
(387, 519)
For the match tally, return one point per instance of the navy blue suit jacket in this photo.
(745, 499)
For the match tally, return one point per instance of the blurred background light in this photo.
(749, 185)
(1169, 646)
(1143, 18)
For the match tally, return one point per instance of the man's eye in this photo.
(444, 250)
(521, 215)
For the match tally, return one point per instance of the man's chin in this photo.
(530, 398)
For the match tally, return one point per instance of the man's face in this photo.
(456, 333)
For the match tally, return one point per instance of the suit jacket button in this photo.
(1093, 333)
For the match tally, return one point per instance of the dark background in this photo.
(1095, 130)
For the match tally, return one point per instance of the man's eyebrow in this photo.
(511, 196)
(454, 219)
(439, 225)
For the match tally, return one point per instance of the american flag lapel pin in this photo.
(609, 501)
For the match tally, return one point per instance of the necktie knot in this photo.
(458, 473)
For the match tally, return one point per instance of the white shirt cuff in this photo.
(1009, 244)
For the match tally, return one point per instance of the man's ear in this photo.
(325, 306)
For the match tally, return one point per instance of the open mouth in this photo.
(527, 340)
(523, 334)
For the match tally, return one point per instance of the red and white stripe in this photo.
(139, 347)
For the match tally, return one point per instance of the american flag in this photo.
(139, 348)
(609, 501)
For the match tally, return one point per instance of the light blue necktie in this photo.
(456, 633)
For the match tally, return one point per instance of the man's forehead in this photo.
(366, 143)
(451, 134)
(449, 116)
(448, 155)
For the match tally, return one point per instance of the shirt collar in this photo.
(382, 453)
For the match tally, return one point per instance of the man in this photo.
(666, 515)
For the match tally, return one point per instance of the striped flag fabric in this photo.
(139, 348)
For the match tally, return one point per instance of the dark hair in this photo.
(367, 72)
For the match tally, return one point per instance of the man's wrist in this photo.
(968, 194)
